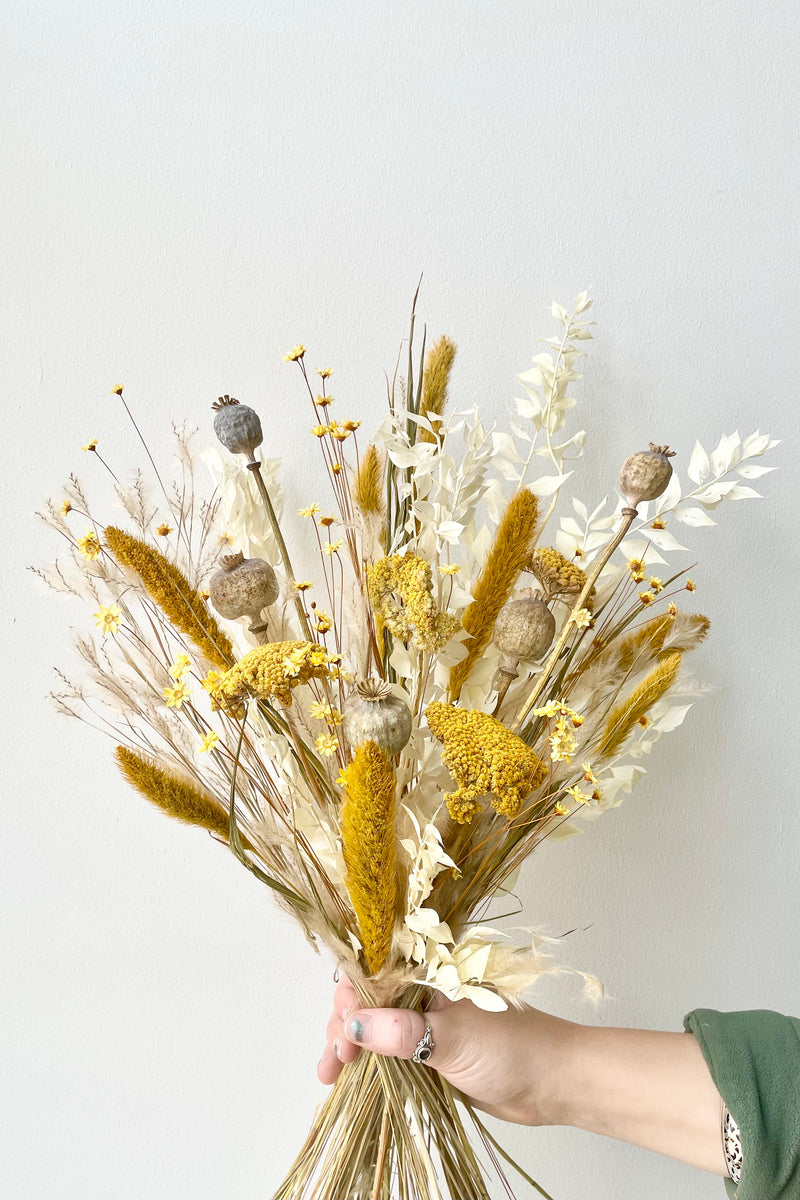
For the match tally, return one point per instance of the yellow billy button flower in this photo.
(209, 741)
(118, 390)
(180, 666)
(333, 547)
(326, 744)
(450, 569)
(92, 445)
(176, 696)
(164, 529)
(294, 354)
(646, 597)
(108, 620)
(89, 544)
(656, 584)
(308, 512)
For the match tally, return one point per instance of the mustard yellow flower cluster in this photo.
(485, 759)
(415, 617)
(269, 672)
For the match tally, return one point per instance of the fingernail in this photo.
(336, 1048)
(358, 1028)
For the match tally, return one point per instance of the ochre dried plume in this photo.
(170, 589)
(368, 846)
(368, 485)
(510, 552)
(642, 698)
(435, 380)
(176, 797)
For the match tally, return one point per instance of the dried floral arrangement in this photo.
(385, 743)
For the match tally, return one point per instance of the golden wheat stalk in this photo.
(509, 553)
(368, 846)
(172, 592)
(435, 382)
(642, 698)
(175, 796)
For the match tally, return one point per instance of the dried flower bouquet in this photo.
(384, 743)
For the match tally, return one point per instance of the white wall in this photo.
(191, 189)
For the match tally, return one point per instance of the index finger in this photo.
(344, 997)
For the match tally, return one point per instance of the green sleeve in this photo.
(754, 1060)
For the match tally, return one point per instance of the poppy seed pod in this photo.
(242, 588)
(237, 426)
(645, 475)
(373, 713)
(524, 630)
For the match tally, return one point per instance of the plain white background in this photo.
(190, 189)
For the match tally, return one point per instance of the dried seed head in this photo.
(242, 587)
(645, 475)
(373, 713)
(237, 426)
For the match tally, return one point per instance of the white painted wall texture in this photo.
(190, 189)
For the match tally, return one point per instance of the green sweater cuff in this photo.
(754, 1060)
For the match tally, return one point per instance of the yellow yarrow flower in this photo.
(176, 696)
(484, 758)
(416, 617)
(269, 672)
(108, 620)
(89, 545)
(294, 354)
(209, 741)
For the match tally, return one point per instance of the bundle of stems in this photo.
(385, 755)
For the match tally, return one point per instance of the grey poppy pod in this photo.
(237, 426)
(242, 588)
(645, 475)
(373, 713)
(524, 629)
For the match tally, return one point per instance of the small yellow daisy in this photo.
(108, 620)
(294, 354)
(209, 741)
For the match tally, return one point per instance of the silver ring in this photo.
(425, 1046)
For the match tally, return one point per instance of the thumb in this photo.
(396, 1032)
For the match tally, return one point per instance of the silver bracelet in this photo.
(731, 1144)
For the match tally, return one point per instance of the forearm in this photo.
(649, 1088)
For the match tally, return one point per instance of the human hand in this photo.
(507, 1064)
